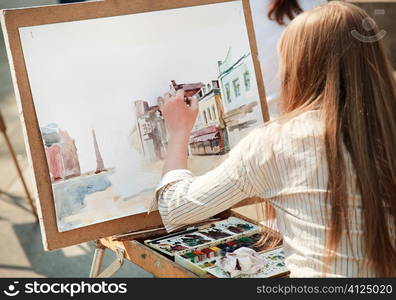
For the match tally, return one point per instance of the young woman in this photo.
(327, 166)
(270, 18)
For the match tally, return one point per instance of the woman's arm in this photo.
(184, 199)
(179, 121)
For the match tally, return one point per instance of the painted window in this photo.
(214, 112)
(246, 77)
(237, 87)
(205, 117)
(214, 143)
(199, 120)
(228, 92)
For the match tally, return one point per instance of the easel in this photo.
(146, 258)
(3, 130)
(137, 253)
(14, 19)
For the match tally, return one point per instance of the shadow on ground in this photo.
(63, 263)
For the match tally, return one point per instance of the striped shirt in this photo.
(285, 164)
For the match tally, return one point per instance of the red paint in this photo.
(69, 154)
(208, 252)
(55, 161)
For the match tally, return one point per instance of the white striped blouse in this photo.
(286, 164)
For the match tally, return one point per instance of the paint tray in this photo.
(202, 237)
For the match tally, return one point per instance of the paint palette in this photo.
(199, 249)
(190, 240)
(202, 259)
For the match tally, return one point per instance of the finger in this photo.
(194, 103)
(167, 96)
(180, 95)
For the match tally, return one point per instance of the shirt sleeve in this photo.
(184, 199)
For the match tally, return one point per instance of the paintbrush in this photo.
(187, 231)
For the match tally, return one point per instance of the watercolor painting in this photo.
(96, 86)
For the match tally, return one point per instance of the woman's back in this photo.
(284, 163)
(298, 195)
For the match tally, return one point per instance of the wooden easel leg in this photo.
(15, 160)
(97, 260)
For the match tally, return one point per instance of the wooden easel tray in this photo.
(160, 265)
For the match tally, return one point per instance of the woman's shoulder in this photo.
(266, 142)
(303, 126)
(303, 122)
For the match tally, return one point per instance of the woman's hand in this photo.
(179, 117)
(179, 120)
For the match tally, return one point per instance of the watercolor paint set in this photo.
(199, 249)
(200, 237)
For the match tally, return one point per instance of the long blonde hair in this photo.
(325, 65)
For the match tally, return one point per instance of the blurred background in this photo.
(21, 250)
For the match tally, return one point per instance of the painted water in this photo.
(92, 198)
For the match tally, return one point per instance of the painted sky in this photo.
(87, 74)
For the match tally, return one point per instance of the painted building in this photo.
(55, 162)
(99, 160)
(209, 134)
(190, 89)
(239, 96)
(151, 131)
(61, 153)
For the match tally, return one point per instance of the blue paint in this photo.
(70, 194)
(50, 134)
